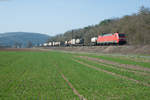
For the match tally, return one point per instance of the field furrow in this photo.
(128, 66)
(72, 87)
(118, 60)
(140, 76)
(116, 66)
(114, 74)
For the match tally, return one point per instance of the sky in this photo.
(58, 16)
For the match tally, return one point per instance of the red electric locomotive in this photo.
(111, 38)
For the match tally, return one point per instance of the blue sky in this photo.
(58, 16)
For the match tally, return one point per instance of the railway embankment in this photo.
(124, 49)
(127, 49)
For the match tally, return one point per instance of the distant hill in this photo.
(22, 39)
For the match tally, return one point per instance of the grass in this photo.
(31, 75)
(36, 75)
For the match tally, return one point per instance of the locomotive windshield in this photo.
(121, 35)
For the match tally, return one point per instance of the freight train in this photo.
(103, 39)
(110, 38)
(75, 42)
(50, 44)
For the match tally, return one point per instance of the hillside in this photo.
(22, 39)
(136, 26)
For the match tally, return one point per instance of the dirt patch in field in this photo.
(23, 49)
(134, 58)
(125, 49)
(114, 74)
(117, 64)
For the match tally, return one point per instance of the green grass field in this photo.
(40, 76)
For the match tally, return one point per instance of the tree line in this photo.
(136, 26)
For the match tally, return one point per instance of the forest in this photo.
(136, 27)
